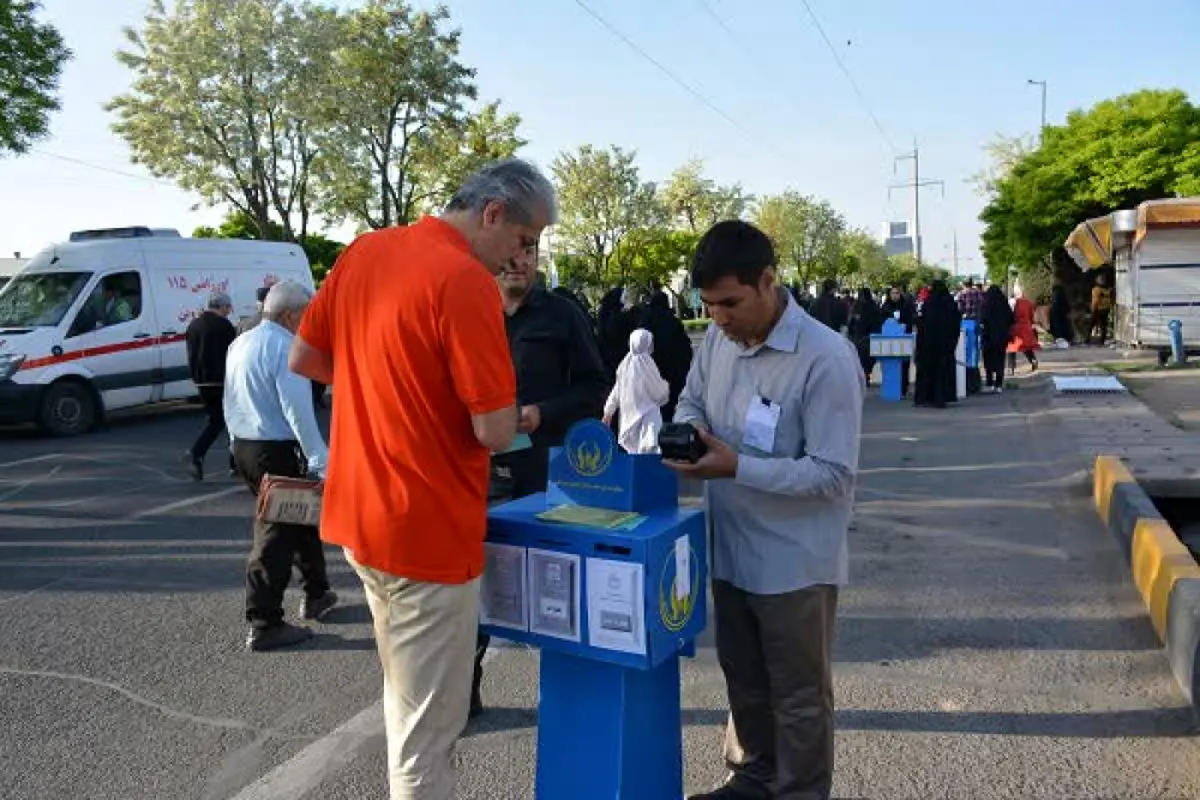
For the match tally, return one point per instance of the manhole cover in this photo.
(1087, 384)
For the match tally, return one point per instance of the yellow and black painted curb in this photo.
(1164, 571)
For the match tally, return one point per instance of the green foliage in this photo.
(1117, 154)
(32, 55)
(906, 272)
(602, 200)
(807, 233)
(282, 109)
(393, 123)
(215, 103)
(864, 259)
(696, 203)
(652, 256)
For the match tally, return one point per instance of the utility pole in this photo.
(916, 185)
(1041, 130)
(955, 255)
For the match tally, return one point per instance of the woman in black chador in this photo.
(937, 336)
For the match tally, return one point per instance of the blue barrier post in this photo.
(970, 334)
(1178, 354)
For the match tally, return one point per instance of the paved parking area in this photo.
(991, 645)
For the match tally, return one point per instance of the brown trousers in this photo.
(776, 652)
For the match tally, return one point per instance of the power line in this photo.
(102, 168)
(862, 98)
(663, 68)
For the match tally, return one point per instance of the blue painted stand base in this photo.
(889, 389)
(607, 732)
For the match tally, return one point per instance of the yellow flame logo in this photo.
(675, 611)
(589, 459)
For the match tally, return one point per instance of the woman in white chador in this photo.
(639, 394)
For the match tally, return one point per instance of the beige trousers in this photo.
(425, 633)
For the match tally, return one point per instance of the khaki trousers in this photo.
(776, 652)
(425, 633)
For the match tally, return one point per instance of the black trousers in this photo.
(214, 409)
(776, 651)
(993, 363)
(1100, 324)
(277, 547)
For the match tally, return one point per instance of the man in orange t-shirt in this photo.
(409, 330)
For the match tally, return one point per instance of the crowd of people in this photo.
(1005, 327)
(448, 396)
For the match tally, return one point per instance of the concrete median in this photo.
(1164, 570)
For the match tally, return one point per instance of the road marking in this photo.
(34, 460)
(308, 769)
(189, 501)
(26, 484)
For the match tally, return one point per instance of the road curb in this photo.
(1164, 571)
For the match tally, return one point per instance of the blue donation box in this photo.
(893, 348)
(606, 574)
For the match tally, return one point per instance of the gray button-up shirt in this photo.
(781, 524)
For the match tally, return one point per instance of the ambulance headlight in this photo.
(9, 364)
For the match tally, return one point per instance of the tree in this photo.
(602, 199)
(1117, 154)
(652, 256)
(1003, 153)
(216, 102)
(696, 203)
(32, 55)
(807, 233)
(394, 128)
(460, 146)
(864, 259)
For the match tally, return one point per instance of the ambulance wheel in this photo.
(68, 409)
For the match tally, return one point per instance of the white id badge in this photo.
(762, 417)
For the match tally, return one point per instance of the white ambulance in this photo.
(97, 323)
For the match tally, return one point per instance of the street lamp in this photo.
(1042, 84)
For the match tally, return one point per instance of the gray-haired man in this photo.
(270, 415)
(208, 340)
(424, 379)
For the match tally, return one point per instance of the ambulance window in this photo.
(115, 300)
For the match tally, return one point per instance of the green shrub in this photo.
(696, 324)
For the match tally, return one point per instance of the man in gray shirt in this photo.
(778, 398)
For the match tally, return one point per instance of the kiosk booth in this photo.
(606, 574)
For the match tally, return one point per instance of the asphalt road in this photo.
(990, 646)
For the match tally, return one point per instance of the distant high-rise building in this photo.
(898, 239)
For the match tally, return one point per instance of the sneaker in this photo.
(315, 607)
(282, 635)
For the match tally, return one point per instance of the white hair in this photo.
(517, 184)
(218, 300)
(286, 296)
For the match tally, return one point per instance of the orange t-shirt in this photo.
(416, 330)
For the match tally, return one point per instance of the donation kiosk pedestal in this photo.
(612, 599)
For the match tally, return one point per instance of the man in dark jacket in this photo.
(208, 340)
(560, 381)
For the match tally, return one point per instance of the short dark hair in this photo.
(732, 248)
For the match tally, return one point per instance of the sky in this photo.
(767, 105)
